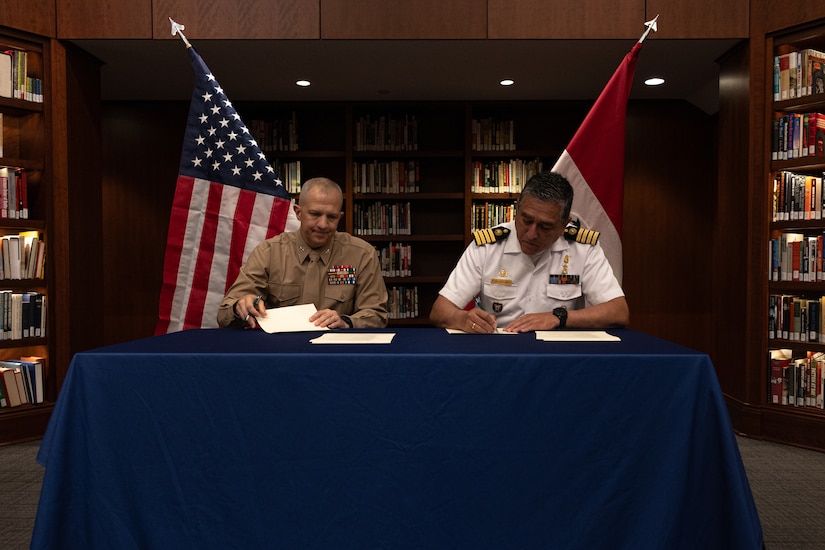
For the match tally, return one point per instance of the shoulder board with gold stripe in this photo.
(489, 236)
(574, 232)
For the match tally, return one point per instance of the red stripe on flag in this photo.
(240, 230)
(203, 265)
(174, 247)
(278, 216)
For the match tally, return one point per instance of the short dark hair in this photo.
(550, 187)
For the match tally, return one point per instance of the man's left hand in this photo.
(328, 318)
(533, 321)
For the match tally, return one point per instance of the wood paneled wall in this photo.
(94, 19)
(403, 19)
(141, 153)
(378, 19)
(573, 19)
(734, 213)
(766, 16)
(247, 19)
(713, 19)
(670, 181)
(34, 16)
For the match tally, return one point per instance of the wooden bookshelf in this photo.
(25, 138)
(367, 146)
(787, 166)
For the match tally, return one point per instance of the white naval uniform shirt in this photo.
(531, 290)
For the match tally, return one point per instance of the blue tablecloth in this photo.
(240, 439)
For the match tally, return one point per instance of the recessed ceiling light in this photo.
(655, 81)
(302, 83)
(507, 82)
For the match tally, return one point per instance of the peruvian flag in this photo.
(593, 162)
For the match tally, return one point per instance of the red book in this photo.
(779, 361)
(22, 178)
(796, 259)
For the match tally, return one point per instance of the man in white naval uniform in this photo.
(545, 276)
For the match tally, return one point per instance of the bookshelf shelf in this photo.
(23, 342)
(304, 154)
(434, 237)
(807, 164)
(495, 196)
(516, 153)
(19, 107)
(801, 104)
(407, 196)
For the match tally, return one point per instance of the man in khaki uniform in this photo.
(337, 272)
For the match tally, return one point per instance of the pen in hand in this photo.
(485, 316)
(477, 300)
(254, 306)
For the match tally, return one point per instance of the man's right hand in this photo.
(249, 307)
(480, 322)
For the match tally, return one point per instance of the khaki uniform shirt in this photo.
(277, 269)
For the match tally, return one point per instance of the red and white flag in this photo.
(227, 200)
(593, 162)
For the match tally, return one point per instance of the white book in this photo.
(6, 88)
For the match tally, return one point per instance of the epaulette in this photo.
(489, 236)
(575, 232)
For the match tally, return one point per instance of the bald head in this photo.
(323, 186)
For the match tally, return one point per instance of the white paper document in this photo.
(347, 337)
(499, 330)
(289, 319)
(575, 336)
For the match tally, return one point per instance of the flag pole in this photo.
(651, 26)
(178, 29)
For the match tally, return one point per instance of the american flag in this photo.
(593, 162)
(227, 200)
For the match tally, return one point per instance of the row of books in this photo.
(799, 73)
(797, 135)
(386, 177)
(796, 318)
(395, 259)
(402, 302)
(14, 193)
(504, 176)
(275, 135)
(796, 382)
(491, 214)
(22, 256)
(493, 135)
(386, 133)
(15, 80)
(379, 218)
(797, 197)
(290, 174)
(21, 381)
(796, 257)
(22, 315)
